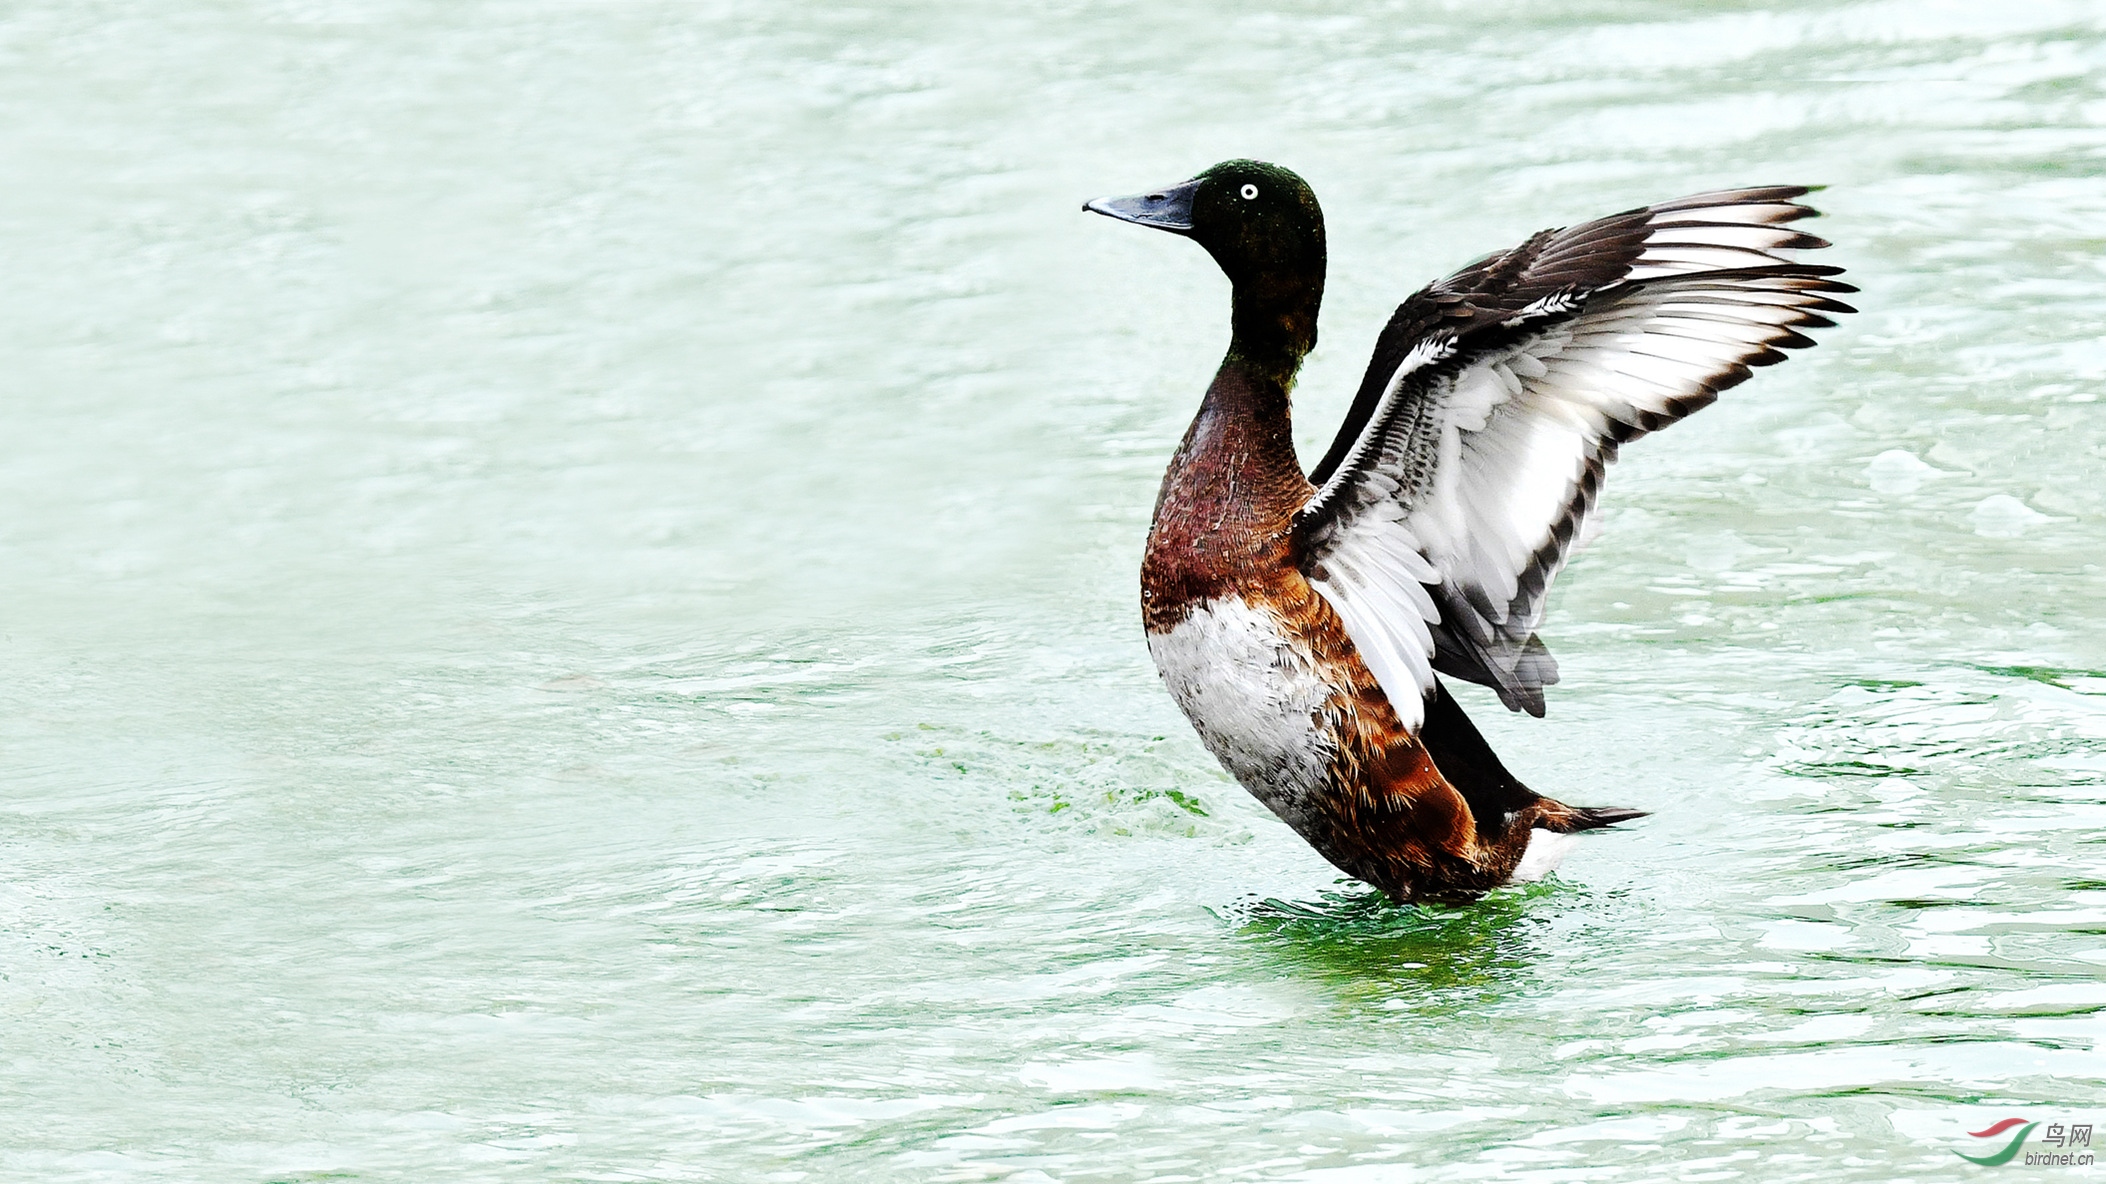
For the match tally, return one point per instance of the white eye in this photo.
(1250, 192)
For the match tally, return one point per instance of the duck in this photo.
(1306, 622)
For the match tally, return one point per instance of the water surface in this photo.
(569, 602)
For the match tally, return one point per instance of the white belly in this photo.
(1255, 696)
(1545, 851)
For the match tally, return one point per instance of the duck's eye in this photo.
(1250, 192)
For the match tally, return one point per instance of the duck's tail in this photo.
(1566, 819)
(1459, 751)
(1496, 796)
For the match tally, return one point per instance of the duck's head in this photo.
(1261, 223)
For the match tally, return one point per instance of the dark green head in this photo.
(1261, 223)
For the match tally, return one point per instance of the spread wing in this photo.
(1497, 398)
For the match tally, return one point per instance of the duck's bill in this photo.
(1165, 209)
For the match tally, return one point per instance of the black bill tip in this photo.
(1164, 209)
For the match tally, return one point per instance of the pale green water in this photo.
(569, 603)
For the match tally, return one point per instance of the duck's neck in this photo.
(1274, 327)
(1273, 319)
(1237, 470)
(1242, 440)
(1225, 512)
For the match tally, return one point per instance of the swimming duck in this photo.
(1302, 622)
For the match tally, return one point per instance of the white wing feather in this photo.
(1474, 474)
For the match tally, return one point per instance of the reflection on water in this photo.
(571, 603)
(1437, 958)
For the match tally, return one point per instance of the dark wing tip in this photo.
(1745, 195)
